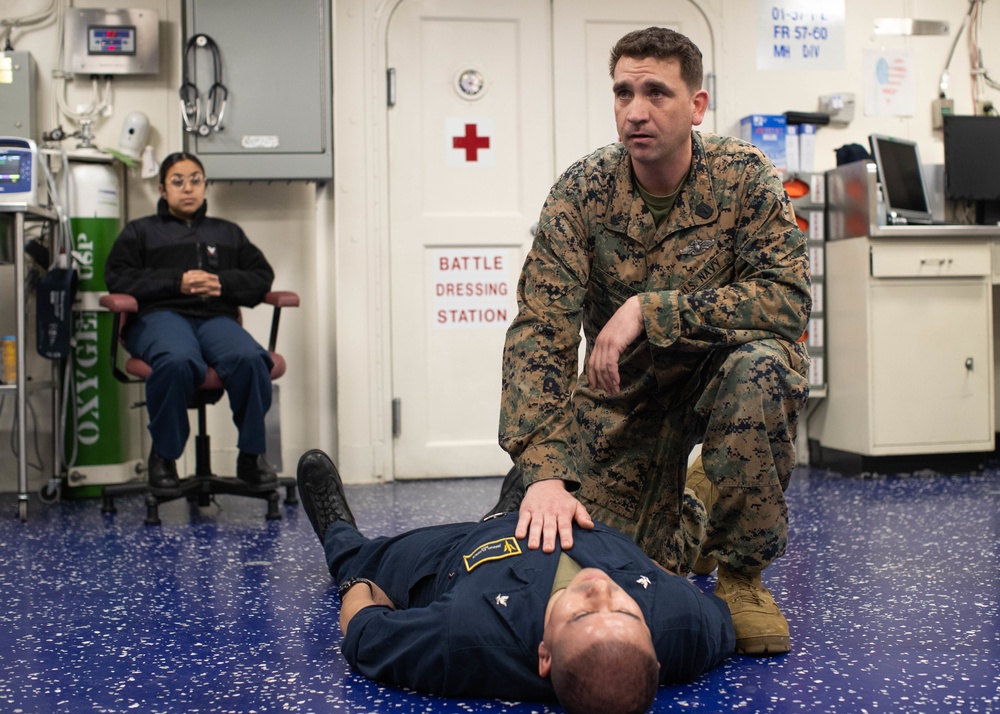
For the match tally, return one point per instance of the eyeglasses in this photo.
(195, 180)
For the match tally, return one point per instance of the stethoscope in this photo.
(217, 94)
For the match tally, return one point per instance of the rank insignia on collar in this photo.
(644, 582)
(502, 600)
(697, 246)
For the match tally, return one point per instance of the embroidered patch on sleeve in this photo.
(494, 550)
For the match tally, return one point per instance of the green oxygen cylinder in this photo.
(101, 439)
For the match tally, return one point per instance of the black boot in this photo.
(256, 473)
(511, 494)
(161, 474)
(322, 492)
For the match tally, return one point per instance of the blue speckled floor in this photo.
(891, 586)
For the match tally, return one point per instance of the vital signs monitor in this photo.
(18, 171)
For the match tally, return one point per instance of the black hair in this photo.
(174, 158)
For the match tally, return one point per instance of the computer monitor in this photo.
(902, 179)
(972, 158)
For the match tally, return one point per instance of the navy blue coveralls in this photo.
(471, 599)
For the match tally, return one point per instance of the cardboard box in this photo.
(792, 148)
(767, 133)
(807, 147)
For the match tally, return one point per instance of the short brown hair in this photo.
(662, 44)
(610, 677)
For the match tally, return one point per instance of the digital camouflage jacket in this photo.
(728, 266)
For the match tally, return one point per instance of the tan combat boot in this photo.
(708, 494)
(760, 627)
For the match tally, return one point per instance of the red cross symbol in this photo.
(471, 142)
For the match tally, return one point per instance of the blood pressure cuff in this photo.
(54, 315)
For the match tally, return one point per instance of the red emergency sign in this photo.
(471, 142)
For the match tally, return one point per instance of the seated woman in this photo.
(190, 274)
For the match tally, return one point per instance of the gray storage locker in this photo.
(276, 69)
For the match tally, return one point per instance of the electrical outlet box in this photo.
(939, 110)
(18, 87)
(839, 107)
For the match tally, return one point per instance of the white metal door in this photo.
(470, 163)
(491, 101)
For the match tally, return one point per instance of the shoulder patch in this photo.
(494, 550)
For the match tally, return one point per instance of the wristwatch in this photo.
(348, 584)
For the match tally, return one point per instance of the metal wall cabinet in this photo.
(18, 88)
(807, 191)
(276, 65)
(910, 329)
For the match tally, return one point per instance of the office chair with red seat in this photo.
(203, 484)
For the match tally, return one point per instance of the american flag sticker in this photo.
(889, 83)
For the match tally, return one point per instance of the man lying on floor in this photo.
(467, 610)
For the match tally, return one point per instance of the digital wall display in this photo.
(111, 39)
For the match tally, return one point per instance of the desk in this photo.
(22, 213)
(910, 334)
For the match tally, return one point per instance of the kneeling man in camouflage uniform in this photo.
(678, 256)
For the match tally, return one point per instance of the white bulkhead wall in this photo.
(360, 197)
(331, 243)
